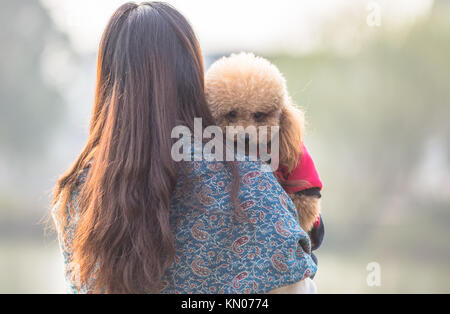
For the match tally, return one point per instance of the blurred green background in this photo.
(378, 111)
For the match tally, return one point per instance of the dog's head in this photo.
(245, 90)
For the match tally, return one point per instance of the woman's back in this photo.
(218, 250)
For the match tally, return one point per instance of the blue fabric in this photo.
(255, 250)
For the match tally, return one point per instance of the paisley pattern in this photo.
(239, 243)
(256, 249)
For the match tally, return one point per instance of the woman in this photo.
(130, 219)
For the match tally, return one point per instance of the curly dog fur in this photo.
(245, 90)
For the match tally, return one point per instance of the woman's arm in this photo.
(256, 249)
(65, 230)
(285, 210)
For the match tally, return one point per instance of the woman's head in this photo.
(149, 79)
(149, 52)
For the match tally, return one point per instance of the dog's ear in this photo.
(291, 136)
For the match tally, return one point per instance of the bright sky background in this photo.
(230, 25)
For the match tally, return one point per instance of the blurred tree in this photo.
(29, 106)
(372, 116)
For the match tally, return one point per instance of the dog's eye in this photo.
(232, 115)
(259, 115)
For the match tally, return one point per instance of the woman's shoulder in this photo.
(71, 207)
(77, 188)
(203, 164)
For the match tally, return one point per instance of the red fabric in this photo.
(304, 177)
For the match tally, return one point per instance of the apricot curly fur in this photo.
(308, 208)
(245, 85)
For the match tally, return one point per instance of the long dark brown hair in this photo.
(150, 78)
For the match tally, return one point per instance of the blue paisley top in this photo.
(255, 250)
